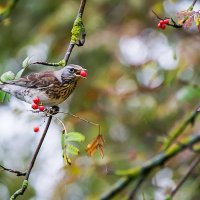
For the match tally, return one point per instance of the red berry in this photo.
(36, 129)
(35, 106)
(41, 108)
(162, 22)
(163, 26)
(159, 25)
(36, 100)
(83, 73)
(166, 21)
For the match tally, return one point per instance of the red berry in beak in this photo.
(35, 106)
(83, 73)
(36, 100)
(36, 129)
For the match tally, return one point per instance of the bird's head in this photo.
(72, 73)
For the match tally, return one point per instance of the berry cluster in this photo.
(36, 105)
(162, 24)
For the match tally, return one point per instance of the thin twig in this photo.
(174, 24)
(23, 188)
(178, 130)
(6, 12)
(38, 148)
(194, 2)
(116, 188)
(85, 120)
(71, 44)
(186, 176)
(137, 187)
(18, 173)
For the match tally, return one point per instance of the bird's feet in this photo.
(53, 110)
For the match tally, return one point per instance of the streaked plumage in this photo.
(52, 87)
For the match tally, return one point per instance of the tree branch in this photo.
(137, 187)
(174, 24)
(25, 182)
(189, 172)
(8, 9)
(138, 171)
(18, 173)
(194, 2)
(177, 131)
(77, 29)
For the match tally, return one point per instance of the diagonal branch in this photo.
(77, 29)
(136, 172)
(189, 172)
(25, 182)
(177, 131)
(7, 10)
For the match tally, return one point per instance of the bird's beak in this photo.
(77, 73)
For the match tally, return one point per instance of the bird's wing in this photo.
(36, 80)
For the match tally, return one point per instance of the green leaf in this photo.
(72, 149)
(188, 93)
(2, 96)
(67, 159)
(7, 76)
(19, 73)
(26, 62)
(168, 198)
(74, 137)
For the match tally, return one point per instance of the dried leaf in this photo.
(188, 23)
(96, 144)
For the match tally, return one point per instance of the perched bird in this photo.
(52, 87)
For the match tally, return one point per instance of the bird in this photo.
(52, 87)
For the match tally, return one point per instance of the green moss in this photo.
(76, 30)
(133, 172)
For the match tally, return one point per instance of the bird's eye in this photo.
(71, 70)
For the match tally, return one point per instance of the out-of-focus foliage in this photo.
(141, 82)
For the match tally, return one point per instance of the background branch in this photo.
(137, 187)
(8, 9)
(177, 131)
(18, 173)
(189, 172)
(138, 171)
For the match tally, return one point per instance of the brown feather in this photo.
(36, 80)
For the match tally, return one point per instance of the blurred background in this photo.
(141, 82)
